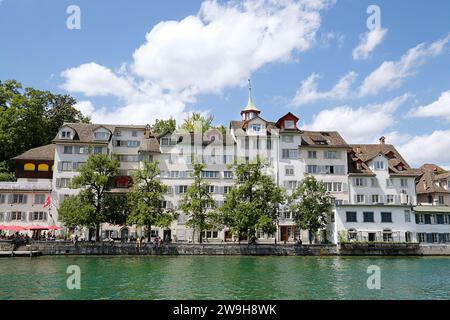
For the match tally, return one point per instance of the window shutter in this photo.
(45, 216)
(59, 166)
(177, 189)
(8, 216)
(344, 187)
(24, 216)
(58, 182)
(367, 199)
(221, 189)
(30, 216)
(25, 199)
(355, 198)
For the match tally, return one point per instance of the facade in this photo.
(26, 202)
(373, 188)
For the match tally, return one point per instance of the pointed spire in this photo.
(250, 105)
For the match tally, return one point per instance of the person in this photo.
(138, 242)
(299, 241)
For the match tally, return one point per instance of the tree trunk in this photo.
(97, 232)
(201, 236)
(149, 230)
(309, 236)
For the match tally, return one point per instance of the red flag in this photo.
(47, 202)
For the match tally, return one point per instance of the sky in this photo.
(363, 68)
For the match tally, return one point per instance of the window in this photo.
(228, 174)
(210, 174)
(182, 189)
(427, 218)
(39, 199)
(62, 182)
(17, 215)
(407, 216)
(337, 186)
(351, 216)
(76, 165)
(29, 167)
(389, 183)
(65, 166)
(68, 150)
(39, 216)
(290, 154)
(331, 154)
(290, 185)
(211, 189)
(386, 216)
(404, 183)
(43, 167)
(311, 169)
(19, 198)
(227, 189)
(312, 154)
(360, 198)
(368, 217)
(441, 199)
(118, 133)
(98, 150)
(256, 127)
(390, 198)
(439, 219)
(375, 198)
(134, 133)
(289, 171)
(360, 182)
(289, 124)
(269, 144)
(378, 165)
(288, 139)
(66, 135)
(133, 144)
(328, 186)
(128, 158)
(374, 182)
(101, 135)
(2, 198)
(81, 150)
(168, 142)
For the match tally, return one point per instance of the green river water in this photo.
(218, 277)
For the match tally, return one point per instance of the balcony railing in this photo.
(25, 186)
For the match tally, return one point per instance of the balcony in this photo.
(26, 186)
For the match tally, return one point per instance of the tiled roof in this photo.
(363, 153)
(84, 132)
(41, 153)
(150, 144)
(323, 139)
(430, 174)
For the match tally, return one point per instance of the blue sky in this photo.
(300, 55)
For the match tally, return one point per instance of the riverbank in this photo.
(230, 249)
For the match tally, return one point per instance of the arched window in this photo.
(29, 167)
(43, 167)
(352, 234)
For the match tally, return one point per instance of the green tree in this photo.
(146, 199)
(30, 118)
(310, 205)
(5, 175)
(93, 205)
(197, 202)
(254, 202)
(197, 121)
(162, 126)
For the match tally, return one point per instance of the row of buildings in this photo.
(377, 196)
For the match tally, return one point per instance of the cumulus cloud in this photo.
(368, 42)
(308, 93)
(358, 125)
(327, 38)
(391, 74)
(438, 109)
(217, 48)
(433, 149)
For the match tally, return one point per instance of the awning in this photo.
(36, 228)
(12, 228)
(55, 228)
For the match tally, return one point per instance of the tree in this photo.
(197, 121)
(30, 118)
(146, 199)
(93, 205)
(5, 175)
(254, 202)
(196, 203)
(310, 205)
(162, 126)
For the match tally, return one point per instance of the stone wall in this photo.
(104, 248)
(379, 249)
(434, 250)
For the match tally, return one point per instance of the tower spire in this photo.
(250, 103)
(250, 110)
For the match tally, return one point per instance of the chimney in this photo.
(147, 132)
(382, 140)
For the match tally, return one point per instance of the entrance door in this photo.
(124, 234)
(371, 237)
(284, 233)
(167, 235)
(228, 236)
(408, 236)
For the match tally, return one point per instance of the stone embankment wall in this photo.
(349, 249)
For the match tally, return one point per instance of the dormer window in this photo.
(66, 135)
(101, 135)
(358, 166)
(289, 124)
(378, 165)
(256, 127)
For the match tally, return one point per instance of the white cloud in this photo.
(358, 125)
(327, 38)
(439, 108)
(307, 93)
(369, 41)
(391, 74)
(433, 148)
(217, 48)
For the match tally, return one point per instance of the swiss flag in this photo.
(47, 202)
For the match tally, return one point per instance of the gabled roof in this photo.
(427, 182)
(236, 125)
(323, 139)
(367, 152)
(46, 152)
